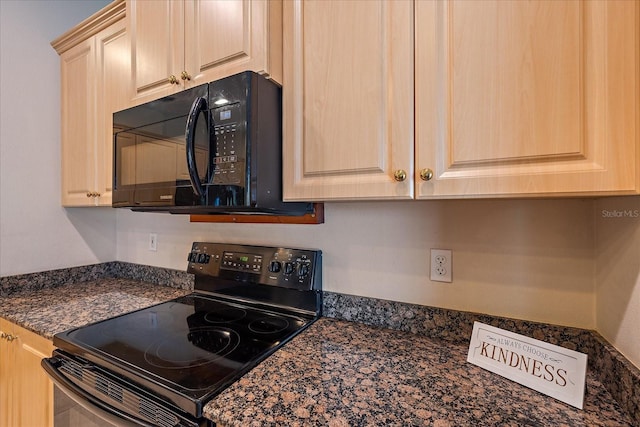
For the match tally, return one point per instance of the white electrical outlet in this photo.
(441, 265)
(153, 242)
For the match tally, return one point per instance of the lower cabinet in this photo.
(26, 392)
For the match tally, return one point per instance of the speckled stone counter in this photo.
(340, 373)
(389, 363)
(33, 282)
(52, 310)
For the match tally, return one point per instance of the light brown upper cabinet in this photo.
(95, 76)
(527, 98)
(512, 98)
(179, 44)
(347, 99)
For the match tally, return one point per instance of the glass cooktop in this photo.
(194, 345)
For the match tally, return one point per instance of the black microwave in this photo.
(214, 148)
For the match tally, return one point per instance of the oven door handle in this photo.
(199, 105)
(89, 402)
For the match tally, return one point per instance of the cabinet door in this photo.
(527, 98)
(33, 390)
(78, 113)
(347, 99)
(26, 392)
(114, 92)
(6, 381)
(225, 37)
(157, 47)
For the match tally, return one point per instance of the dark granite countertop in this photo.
(52, 310)
(340, 373)
(336, 373)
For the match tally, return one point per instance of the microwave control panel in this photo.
(229, 157)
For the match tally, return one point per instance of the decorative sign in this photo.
(555, 371)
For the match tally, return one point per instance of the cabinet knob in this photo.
(89, 194)
(185, 76)
(173, 80)
(400, 175)
(426, 174)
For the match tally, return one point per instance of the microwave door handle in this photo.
(199, 105)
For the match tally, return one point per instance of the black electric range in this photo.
(160, 365)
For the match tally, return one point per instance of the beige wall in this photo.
(36, 233)
(528, 259)
(567, 261)
(618, 274)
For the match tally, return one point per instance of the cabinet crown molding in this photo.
(90, 26)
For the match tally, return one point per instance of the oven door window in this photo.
(69, 413)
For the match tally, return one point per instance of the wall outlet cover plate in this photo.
(441, 265)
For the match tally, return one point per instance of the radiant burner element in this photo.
(269, 325)
(208, 345)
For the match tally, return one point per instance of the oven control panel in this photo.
(261, 265)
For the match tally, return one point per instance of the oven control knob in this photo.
(303, 270)
(202, 258)
(274, 266)
(288, 268)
